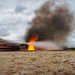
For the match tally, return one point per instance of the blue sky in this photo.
(15, 15)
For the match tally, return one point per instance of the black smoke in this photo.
(51, 24)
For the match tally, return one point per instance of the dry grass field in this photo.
(37, 63)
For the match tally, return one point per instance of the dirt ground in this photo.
(37, 63)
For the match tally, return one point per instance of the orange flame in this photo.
(33, 39)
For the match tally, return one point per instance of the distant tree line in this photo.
(67, 48)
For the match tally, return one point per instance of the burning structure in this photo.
(51, 23)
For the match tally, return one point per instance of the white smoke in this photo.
(48, 45)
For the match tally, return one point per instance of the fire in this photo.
(33, 39)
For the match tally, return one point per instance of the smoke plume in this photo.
(51, 24)
(48, 45)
